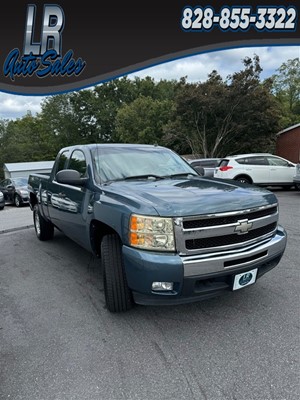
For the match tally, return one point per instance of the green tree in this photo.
(142, 121)
(25, 140)
(59, 118)
(218, 117)
(286, 86)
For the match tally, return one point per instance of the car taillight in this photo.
(225, 168)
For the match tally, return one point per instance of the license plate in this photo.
(244, 279)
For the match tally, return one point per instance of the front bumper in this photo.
(196, 277)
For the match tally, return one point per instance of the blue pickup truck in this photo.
(164, 234)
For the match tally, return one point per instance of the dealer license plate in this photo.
(244, 279)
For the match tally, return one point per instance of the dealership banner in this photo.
(53, 47)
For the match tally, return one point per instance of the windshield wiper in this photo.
(182, 174)
(146, 176)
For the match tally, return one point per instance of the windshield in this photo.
(20, 181)
(120, 163)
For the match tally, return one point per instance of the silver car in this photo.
(208, 165)
(2, 201)
(15, 191)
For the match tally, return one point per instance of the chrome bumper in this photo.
(233, 259)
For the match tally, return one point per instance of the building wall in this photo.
(18, 170)
(20, 174)
(288, 145)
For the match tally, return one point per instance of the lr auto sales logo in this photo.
(43, 58)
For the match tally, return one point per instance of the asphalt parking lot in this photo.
(58, 341)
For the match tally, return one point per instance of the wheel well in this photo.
(97, 231)
(243, 176)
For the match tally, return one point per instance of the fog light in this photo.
(162, 286)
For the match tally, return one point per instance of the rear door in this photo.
(256, 167)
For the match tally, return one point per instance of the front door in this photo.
(69, 204)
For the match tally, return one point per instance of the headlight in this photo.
(1, 196)
(24, 192)
(151, 233)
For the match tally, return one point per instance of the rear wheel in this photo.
(44, 229)
(243, 179)
(118, 296)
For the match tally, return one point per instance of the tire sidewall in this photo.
(17, 200)
(118, 296)
(36, 215)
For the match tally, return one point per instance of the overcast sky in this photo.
(196, 68)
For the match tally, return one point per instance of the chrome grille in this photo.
(226, 240)
(201, 234)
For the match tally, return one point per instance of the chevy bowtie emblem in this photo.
(243, 226)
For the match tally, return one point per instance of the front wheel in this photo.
(17, 200)
(118, 296)
(44, 229)
(297, 186)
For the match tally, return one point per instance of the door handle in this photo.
(62, 195)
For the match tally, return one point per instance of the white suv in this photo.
(262, 169)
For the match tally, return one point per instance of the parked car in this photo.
(297, 177)
(262, 169)
(208, 164)
(2, 201)
(15, 191)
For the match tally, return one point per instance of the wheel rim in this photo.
(37, 223)
(17, 202)
(243, 180)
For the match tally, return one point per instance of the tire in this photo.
(297, 186)
(243, 179)
(44, 229)
(118, 296)
(17, 200)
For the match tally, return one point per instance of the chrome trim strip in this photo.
(231, 213)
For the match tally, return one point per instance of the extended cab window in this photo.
(62, 161)
(78, 162)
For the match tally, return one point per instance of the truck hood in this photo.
(185, 197)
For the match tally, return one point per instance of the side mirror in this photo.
(200, 170)
(10, 187)
(70, 177)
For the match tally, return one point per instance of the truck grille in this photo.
(229, 239)
(225, 231)
(200, 223)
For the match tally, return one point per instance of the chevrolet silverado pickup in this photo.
(164, 235)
